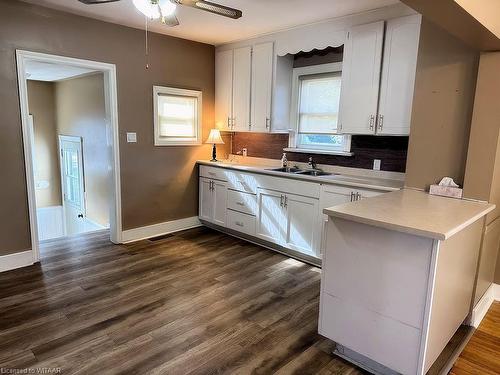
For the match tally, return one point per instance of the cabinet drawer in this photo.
(241, 222)
(242, 181)
(213, 172)
(243, 202)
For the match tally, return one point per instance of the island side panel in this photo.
(374, 292)
(453, 288)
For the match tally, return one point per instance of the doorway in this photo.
(71, 149)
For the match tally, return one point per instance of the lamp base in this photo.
(214, 154)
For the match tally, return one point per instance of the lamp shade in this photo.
(214, 137)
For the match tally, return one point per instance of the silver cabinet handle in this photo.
(285, 204)
(268, 122)
(238, 223)
(358, 196)
(372, 122)
(339, 127)
(380, 122)
(228, 122)
(281, 200)
(240, 204)
(352, 196)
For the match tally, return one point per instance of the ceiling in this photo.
(259, 16)
(485, 11)
(41, 71)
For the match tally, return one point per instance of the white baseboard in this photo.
(481, 308)
(159, 229)
(16, 260)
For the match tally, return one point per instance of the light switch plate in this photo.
(131, 137)
(376, 164)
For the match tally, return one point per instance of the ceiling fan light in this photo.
(148, 8)
(167, 7)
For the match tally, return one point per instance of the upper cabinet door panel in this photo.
(262, 82)
(361, 78)
(242, 68)
(398, 75)
(223, 88)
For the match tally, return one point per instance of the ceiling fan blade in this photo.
(93, 2)
(170, 20)
(208, 6)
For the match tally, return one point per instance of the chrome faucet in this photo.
(311, 163)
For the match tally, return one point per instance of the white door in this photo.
(303, 229)
(361, 78)
(241, 88)
(262, 81)
(219, 192)
(398, 75)
(73, 186)
(223, 89)
(206, 209)
(271, 216)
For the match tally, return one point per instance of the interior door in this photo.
(223, 89)
(398, 75)
(302, 232)
(242, 71)
(206, 209)
(361, 78)
(73, 185)
(271, 218)
(262, 81)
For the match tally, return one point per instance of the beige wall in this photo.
(81, 112)
(482, 176)
(442, 108)
(42, 106)
(158, 183)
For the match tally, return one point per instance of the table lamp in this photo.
(214, 138)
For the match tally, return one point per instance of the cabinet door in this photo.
(303, 229)
(271, 218)
(206, 204)
(223, 88)
(241, 88)
(361, 78)
(219, 194)
(262, 81)
(398, 75)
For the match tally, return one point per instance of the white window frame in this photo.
(161, 90)
(294, 119)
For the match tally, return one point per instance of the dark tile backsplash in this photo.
(392, 151)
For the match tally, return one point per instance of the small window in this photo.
(317, 93)
(177, 116)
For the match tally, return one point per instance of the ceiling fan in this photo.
(164, 10)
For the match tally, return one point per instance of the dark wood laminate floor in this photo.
(198, 302)
(482, 353)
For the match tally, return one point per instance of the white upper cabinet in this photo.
(223, 89)
(398, 75)
(361, 78)
(242, 73)
(262, 85)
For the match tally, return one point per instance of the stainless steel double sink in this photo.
(306, 172)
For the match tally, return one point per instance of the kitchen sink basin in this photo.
(314, 172)
(286, 169)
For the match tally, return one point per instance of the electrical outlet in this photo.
(244, 151)
(376, 164)
(131, 137)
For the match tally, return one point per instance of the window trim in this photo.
(163, 90)
(294, 118)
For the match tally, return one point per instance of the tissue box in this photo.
(446, 191)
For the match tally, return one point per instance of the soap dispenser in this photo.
(284, 160)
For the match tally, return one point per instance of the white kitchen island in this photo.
(398, 277)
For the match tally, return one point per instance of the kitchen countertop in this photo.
(414, 212)
(337, 179)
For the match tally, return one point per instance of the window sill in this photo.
(315, 151)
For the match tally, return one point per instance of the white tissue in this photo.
(448, 181)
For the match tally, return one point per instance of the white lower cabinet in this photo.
(285, 212)
(213, 201)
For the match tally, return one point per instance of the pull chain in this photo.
(147, 46)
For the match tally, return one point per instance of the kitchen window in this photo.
(315, 111)
(177, 116)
